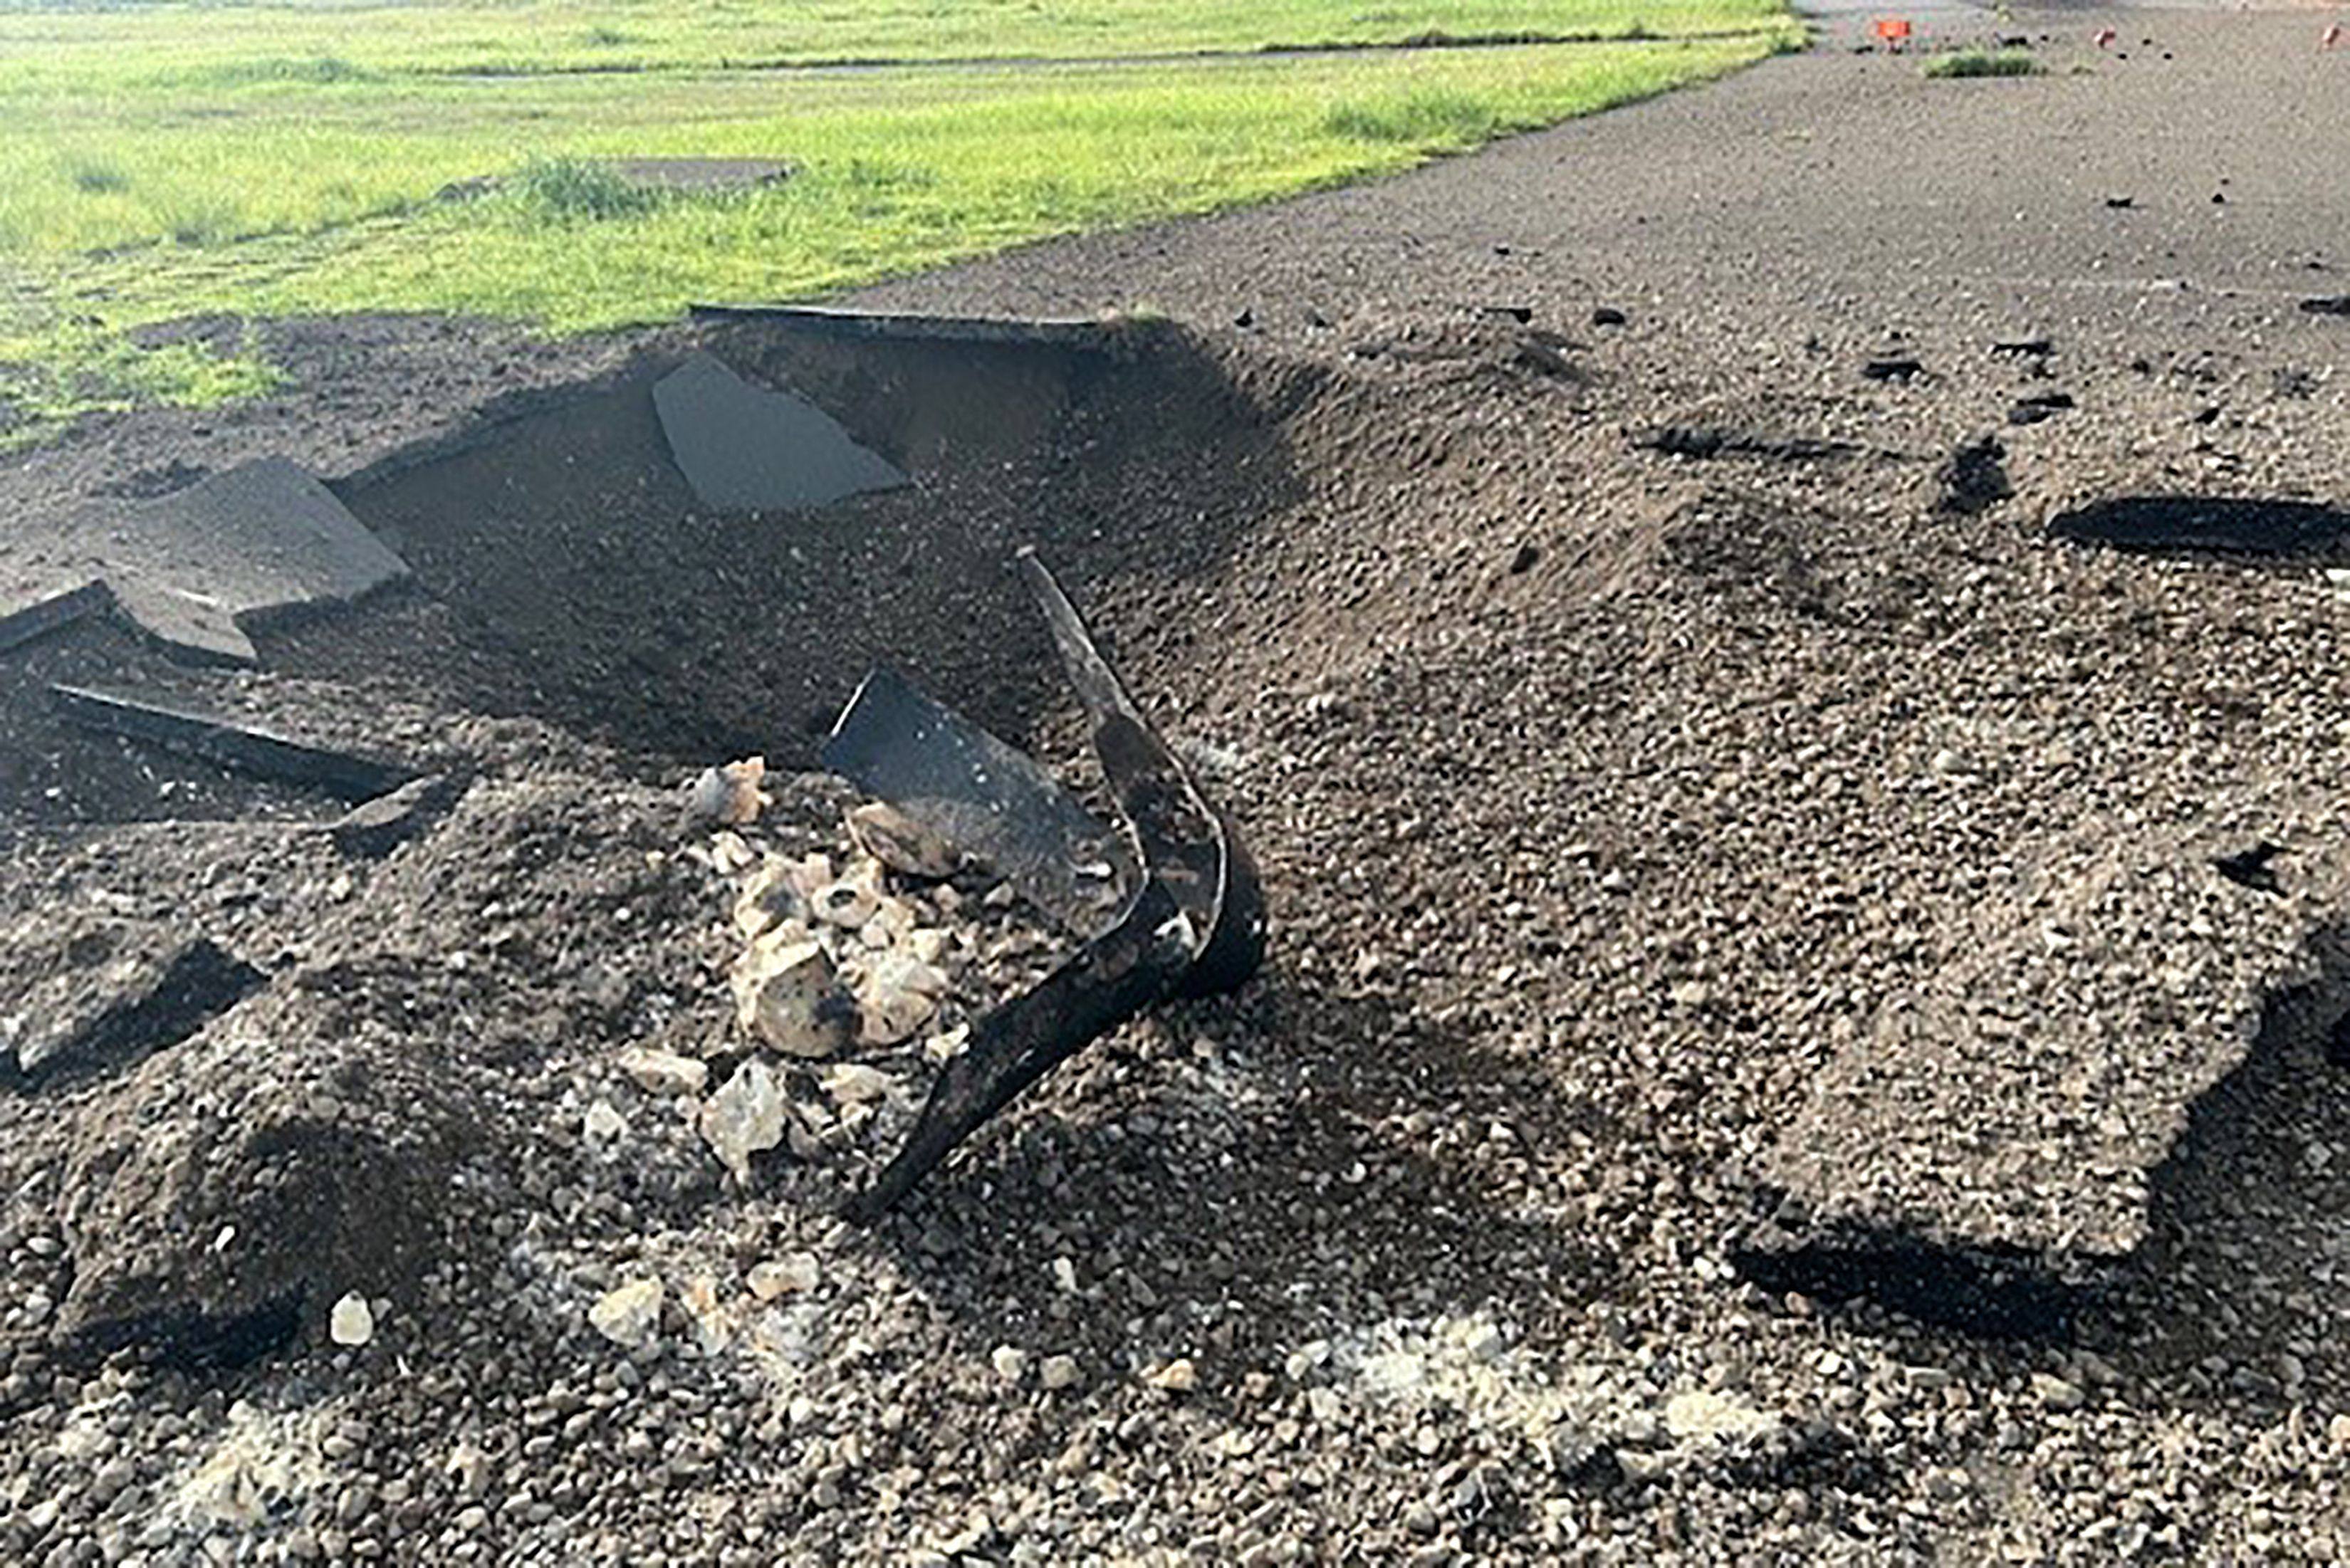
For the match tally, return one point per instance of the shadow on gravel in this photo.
(1983, 1294)
(1287, 1213)
(2235, 1300)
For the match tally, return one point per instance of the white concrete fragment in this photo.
(852, 901)
(769, 898)
(745, 1117)
(713, 1326)
(351, 1322)
(1178, 1376)
(899, 994)
(628, 1317)
(792, 1274)
(603, 1127)
(664, 1072)
(728, 794)
(854, 1084)
(788, 995)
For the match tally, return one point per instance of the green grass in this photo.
(74, 43)
(577, 190)
(1967, 62)
(258, 160)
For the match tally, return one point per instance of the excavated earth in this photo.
(1780, 652)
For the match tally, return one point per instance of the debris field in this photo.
(1791, 761)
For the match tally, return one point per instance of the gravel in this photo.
(1760, 1058)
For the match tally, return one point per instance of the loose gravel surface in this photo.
(1804, 1018)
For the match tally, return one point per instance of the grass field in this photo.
(263, 160)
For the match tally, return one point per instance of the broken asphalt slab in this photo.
(750, 449)
(106, 992)
(195, 567)
(984, 797)
(2245, 525)
(2015, 1103)
(238, 747)
(923, 327)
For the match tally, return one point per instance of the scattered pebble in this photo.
(351, 1322)
(1178, 1376)
(664, 1072)
(746, 1117)
(796, 1272)
(629, 1317)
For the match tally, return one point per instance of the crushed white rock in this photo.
(351, 1322)
(899, 994)
(795, 1273)
(1178, 1376)
(729, 795)
(745, 1117)
(713, 1326)
(664, 1072)
(629, 1317)
(1700, 1414)
(854, 1084)
(603, 1127)
(787, 993)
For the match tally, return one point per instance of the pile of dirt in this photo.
(1803, 1016)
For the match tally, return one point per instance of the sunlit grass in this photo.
(206, 44)
(317, 172)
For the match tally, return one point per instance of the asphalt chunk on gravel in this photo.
(1803, 1022)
